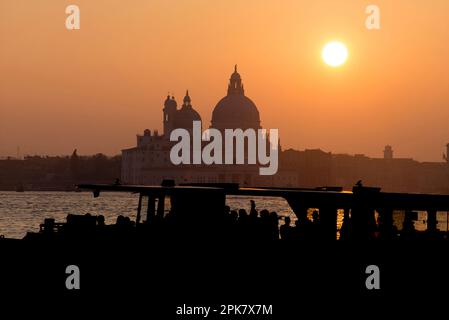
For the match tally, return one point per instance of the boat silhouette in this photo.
(198, 211)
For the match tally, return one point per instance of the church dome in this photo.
(235, 110)
(189, 114)
(186, 115)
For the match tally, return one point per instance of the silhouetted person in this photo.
(234, 215)
(120, 220)
(408, 227)
(316, 225)
(243, 215)
(243, 224)
(346, 226)
(128, 221)
(253, 222)
(253, 210)
(233, 223)
(100, 221)
(432, 232)
(124, 223)
(264, 225)
(286, 229)
(303, 226)
(274, 226)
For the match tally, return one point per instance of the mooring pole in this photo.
(139, 209)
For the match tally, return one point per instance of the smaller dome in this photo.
(186, 115)
(187, 112)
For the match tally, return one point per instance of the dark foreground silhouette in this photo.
(199, 213)
(202, 252)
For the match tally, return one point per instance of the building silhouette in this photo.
(182, 118)
(148, 163)
(388, 152)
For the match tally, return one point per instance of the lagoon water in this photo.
(21, 212)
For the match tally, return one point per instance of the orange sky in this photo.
(95, 88)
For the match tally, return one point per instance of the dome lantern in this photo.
(235, 110)
(187, 99)
(235, 83)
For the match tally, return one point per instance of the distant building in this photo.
(149, 161)
(388, 152)
(57, 172)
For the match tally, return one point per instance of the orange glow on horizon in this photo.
(93, 89)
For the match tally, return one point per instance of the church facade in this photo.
(148, 163)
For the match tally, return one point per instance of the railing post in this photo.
(386, 226)
(150, 208)
(432, 221)
(362, 213)
(328, 223)
(161, 206)
(139, 209)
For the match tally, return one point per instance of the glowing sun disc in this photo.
(334, 53)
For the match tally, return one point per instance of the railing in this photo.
(361, 204)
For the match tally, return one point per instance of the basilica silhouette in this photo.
(149, 162)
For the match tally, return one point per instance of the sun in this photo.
(334, 54)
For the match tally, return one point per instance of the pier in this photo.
(200, 210)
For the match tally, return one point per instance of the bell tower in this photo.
(169, 111)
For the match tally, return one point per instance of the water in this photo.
(24, 211)
(21, 212)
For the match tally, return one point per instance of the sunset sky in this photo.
(95, 88)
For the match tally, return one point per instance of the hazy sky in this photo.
(95, 88)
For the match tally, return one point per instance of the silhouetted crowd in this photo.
(256, 225)
(252, 225)
(243, 225)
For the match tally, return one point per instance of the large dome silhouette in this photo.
(235, 110)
